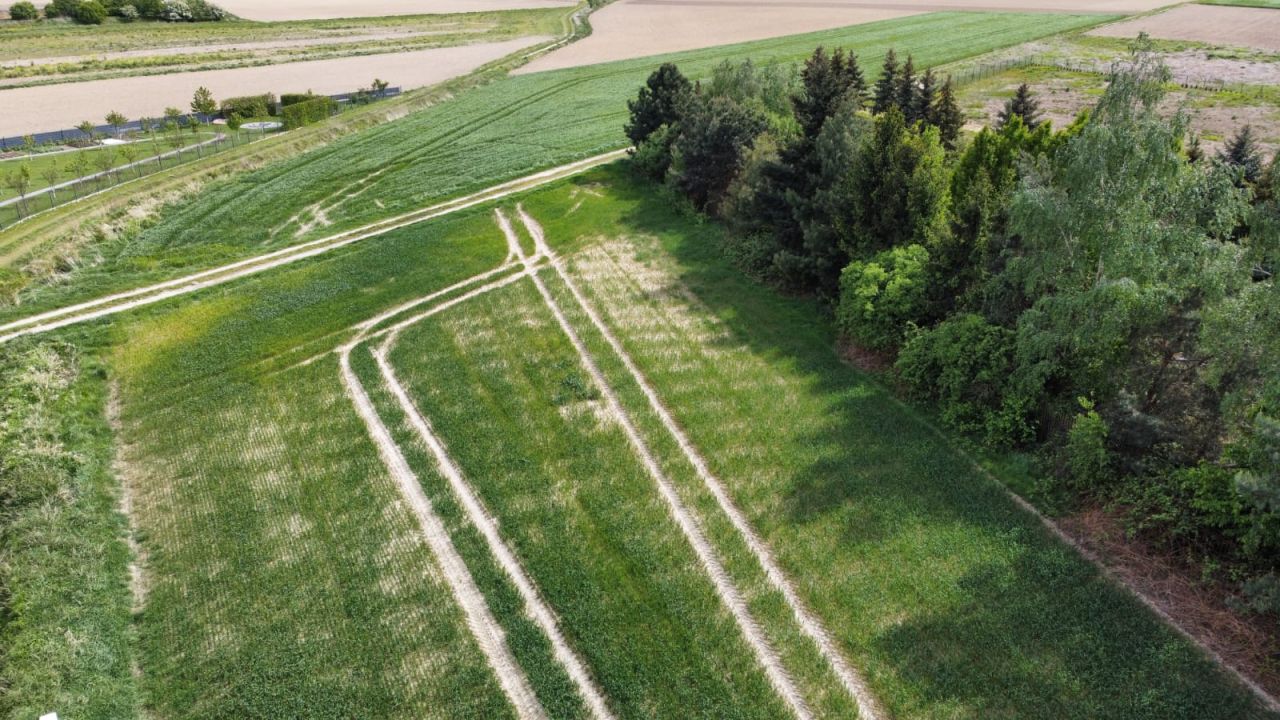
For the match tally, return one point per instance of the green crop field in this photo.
(1244, 3)
(503, 130)
(285, 566)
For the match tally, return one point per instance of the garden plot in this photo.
(1220, 25)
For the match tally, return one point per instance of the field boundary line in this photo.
(687, 522)
(480, 517)
(853, 683)
(150, 294)
(480, 620)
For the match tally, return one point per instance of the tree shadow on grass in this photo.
(1036, 632)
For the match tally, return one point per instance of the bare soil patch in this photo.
(1241, 26)
(1247, 643)
(52, 107)
(638, 28)
(329, 9)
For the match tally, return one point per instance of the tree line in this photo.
(1101, 296)
(95, 12)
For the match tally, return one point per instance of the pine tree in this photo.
(659, 103)
(886, 91)
(946, 116)
(907, 91)
(854, 81)
(1195, 153)
(1024, 105)
(1241, 151)
(925, 97)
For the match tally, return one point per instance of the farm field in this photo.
(502, 130)
(1244, 3)
(439, 409)
(916, 563)
(1239, 26)
(52, 107)
(329, 9)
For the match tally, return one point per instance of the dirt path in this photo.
(684, 518)
(868, 708)
(150, 294)
(488, 634)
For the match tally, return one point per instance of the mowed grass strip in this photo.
(506, 391)
(285, 576)
(952, 602)
(501, 131)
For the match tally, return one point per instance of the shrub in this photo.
(89, 12)
(305, 113)
(249, 106)
(652, 157)
(879, 297)
(287, 99)
(963, 365)
(60, 8)
(23, 11)
(127, 13)
(1087, 457)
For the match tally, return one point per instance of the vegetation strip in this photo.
(853, 683)
(151, 294)
(480, 620)
(729, 594)
(480, 517)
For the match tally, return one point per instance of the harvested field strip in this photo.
(527, 427)
(503, 130)
(951, 600)
(849, 678)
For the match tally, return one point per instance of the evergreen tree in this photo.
(908, 91)
(1241, 152)
(925, 97)
(946, 116)
(827, 80)
(659, 103)
(886, 91)
(1024, 105)
(1195, 153)
(714, 134)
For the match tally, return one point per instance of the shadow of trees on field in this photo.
(1035, 633)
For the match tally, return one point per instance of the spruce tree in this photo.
(925, 97)
(1195, 153)
(907, 91)
(1024, 105)
(886, 91)
(854, 81)
(946, 116)
(1241, 151)
(659, 103)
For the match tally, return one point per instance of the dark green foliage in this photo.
(886, 89)
(659, 103)
(287, 99)
(829, 81)
(250, 106)
(304, 113)
(945, 115)
(963, 365)
(61, 8)
(1241, 152)
(925, 97)
(714, 133)
(89, 12)
(652, 157)
(1023, 105)
(896, 189)
(23, 11)
(881, 296)
(908, 90)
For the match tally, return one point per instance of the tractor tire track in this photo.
(868, 708)
(688, 524)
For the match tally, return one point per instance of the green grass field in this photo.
(503, 130)
(1244, 3)
(285, 576)
(254, 481)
